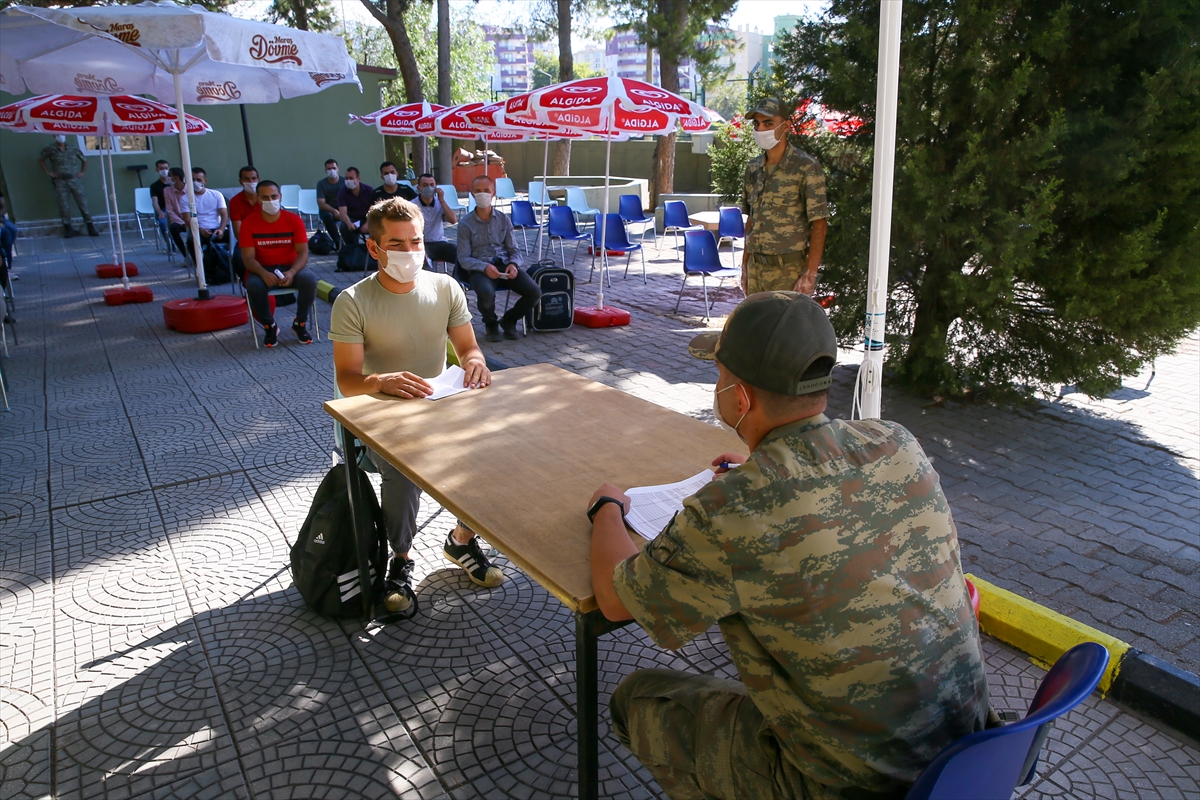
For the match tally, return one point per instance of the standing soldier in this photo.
(66, 167)
(784, 196)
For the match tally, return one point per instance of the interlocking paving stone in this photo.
(25, 767)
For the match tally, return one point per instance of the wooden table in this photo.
(518, 462)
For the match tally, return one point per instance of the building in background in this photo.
(514, 60)
(783, 23)
(625, 57)
(749, 52)
(593, 57)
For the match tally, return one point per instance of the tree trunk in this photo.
(445, 146)
(560, 159)
(301, 14)
(410, 74)
(662, 174)
(925, 365)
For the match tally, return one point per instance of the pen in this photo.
(729, 465)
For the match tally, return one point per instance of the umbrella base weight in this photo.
(114, 270)
(607, 317)
(119, 296)
(203, 316)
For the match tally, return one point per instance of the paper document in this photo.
(652, 507)
(448, 383)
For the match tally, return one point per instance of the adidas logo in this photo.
(320, 539)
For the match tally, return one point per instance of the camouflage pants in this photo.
(774, 273)
(703, 738)
(66, 188)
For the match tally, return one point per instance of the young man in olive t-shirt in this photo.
(274, 245)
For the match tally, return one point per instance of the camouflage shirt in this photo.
(65, 163)
(831, 563)
(783, 200)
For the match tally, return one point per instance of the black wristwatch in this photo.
(602, 501)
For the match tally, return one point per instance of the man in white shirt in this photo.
(211, 212)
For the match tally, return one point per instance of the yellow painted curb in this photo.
(1039, 632)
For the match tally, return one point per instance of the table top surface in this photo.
(709, 219)
(519, 461)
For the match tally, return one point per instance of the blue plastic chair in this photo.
(562, 227)
(577, 202)
(505, 191)
(675, 219)
(731, 226)
(630, 208)
(991, 764)
(701, 257)
(523, 218)
(616, 240)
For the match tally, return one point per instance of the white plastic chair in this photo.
(308, 207)
(290, 195)
(451, 195)
(506, 192)
(577, 202)
(143, 205)
(539, 195)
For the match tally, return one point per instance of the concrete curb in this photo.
(1141, 681)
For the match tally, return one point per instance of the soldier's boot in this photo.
(68, 232)
(92, 230)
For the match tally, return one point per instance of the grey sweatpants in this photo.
(400, 500)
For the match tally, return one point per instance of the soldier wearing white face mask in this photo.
(390, 185)
(274, 244)
(389, 335)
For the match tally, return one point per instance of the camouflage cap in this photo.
(778, 341)
(768, 107)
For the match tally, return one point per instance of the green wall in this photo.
(290, 140)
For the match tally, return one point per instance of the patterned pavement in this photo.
(151, 643)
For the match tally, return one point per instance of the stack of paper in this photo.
(652, 507)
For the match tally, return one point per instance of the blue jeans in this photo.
(8, 235)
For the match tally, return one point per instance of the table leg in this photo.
(353, 486)
(588, 629)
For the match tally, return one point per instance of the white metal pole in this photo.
(107, 208)
(604, 221)
(116, 208)
(543, 220)
(186, 156)
(871, 371)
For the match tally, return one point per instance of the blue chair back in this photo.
(989, 765)
(675, 214)
(577, 201)
(562, 222)
(729, 223)
(505, 189)
(538, 194)
(700, 252)
(614, 234)
(522, 214)
(630, 208)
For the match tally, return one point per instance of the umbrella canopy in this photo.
(176, 53)
(604, 103)
(451, 123)
(120, 115)
(397, 120)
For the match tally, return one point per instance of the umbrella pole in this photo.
(545, 164)
(116, 211)
(871, 371)
(604, 221)
(186, 156)
(107, 208)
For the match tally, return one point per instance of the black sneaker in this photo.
(470, 557)
(271, 336)
(92, 230)
(491, 331)
(398, 594)
(69, 232)
(301, 332)
(510, 329)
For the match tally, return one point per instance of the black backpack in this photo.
(218, 268)
(555, 311)
(353, 257)
(324, 558)
(321, 244)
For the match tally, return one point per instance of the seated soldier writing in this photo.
(828, 558)
(274, 244)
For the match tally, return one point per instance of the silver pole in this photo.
(604, 221)
(186, 155)
(116, 209)
(107, 208)
(545, 166)
(871, 371)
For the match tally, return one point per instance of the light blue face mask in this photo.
(428, 192)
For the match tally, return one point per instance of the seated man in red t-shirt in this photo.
(243, 204)
(274, 245)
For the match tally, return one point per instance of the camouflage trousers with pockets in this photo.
(703, 738)
(774, 273)
(66, 188)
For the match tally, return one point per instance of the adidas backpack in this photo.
(324, 558)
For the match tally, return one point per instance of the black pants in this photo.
(442, 251)
(485, 294)
(330, 220)
(304, 281)
(177, 232)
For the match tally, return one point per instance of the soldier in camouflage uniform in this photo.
(66, 167)
(784, 198)
(829, 560)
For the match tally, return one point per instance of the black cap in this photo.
(782, 342)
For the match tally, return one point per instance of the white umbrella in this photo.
(179, 54)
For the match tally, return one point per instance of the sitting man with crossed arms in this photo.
(389, 335)
(274, 244)
(831, 563)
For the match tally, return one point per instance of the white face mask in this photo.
(250, 186)
(332, 173)
(164, 174)
(766, 139)
(717, 412)
(271, 206)
(199, 186)
(403, 265)
(483, 199)
(60, 139)
(390, 179)
(351, 184)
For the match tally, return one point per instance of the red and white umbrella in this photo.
(397, 120)
(83, 115)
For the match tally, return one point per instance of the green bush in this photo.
(732, 147)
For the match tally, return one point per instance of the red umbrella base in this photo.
(202, 316)
(114, 270)
(607, 317)
(119, 296)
